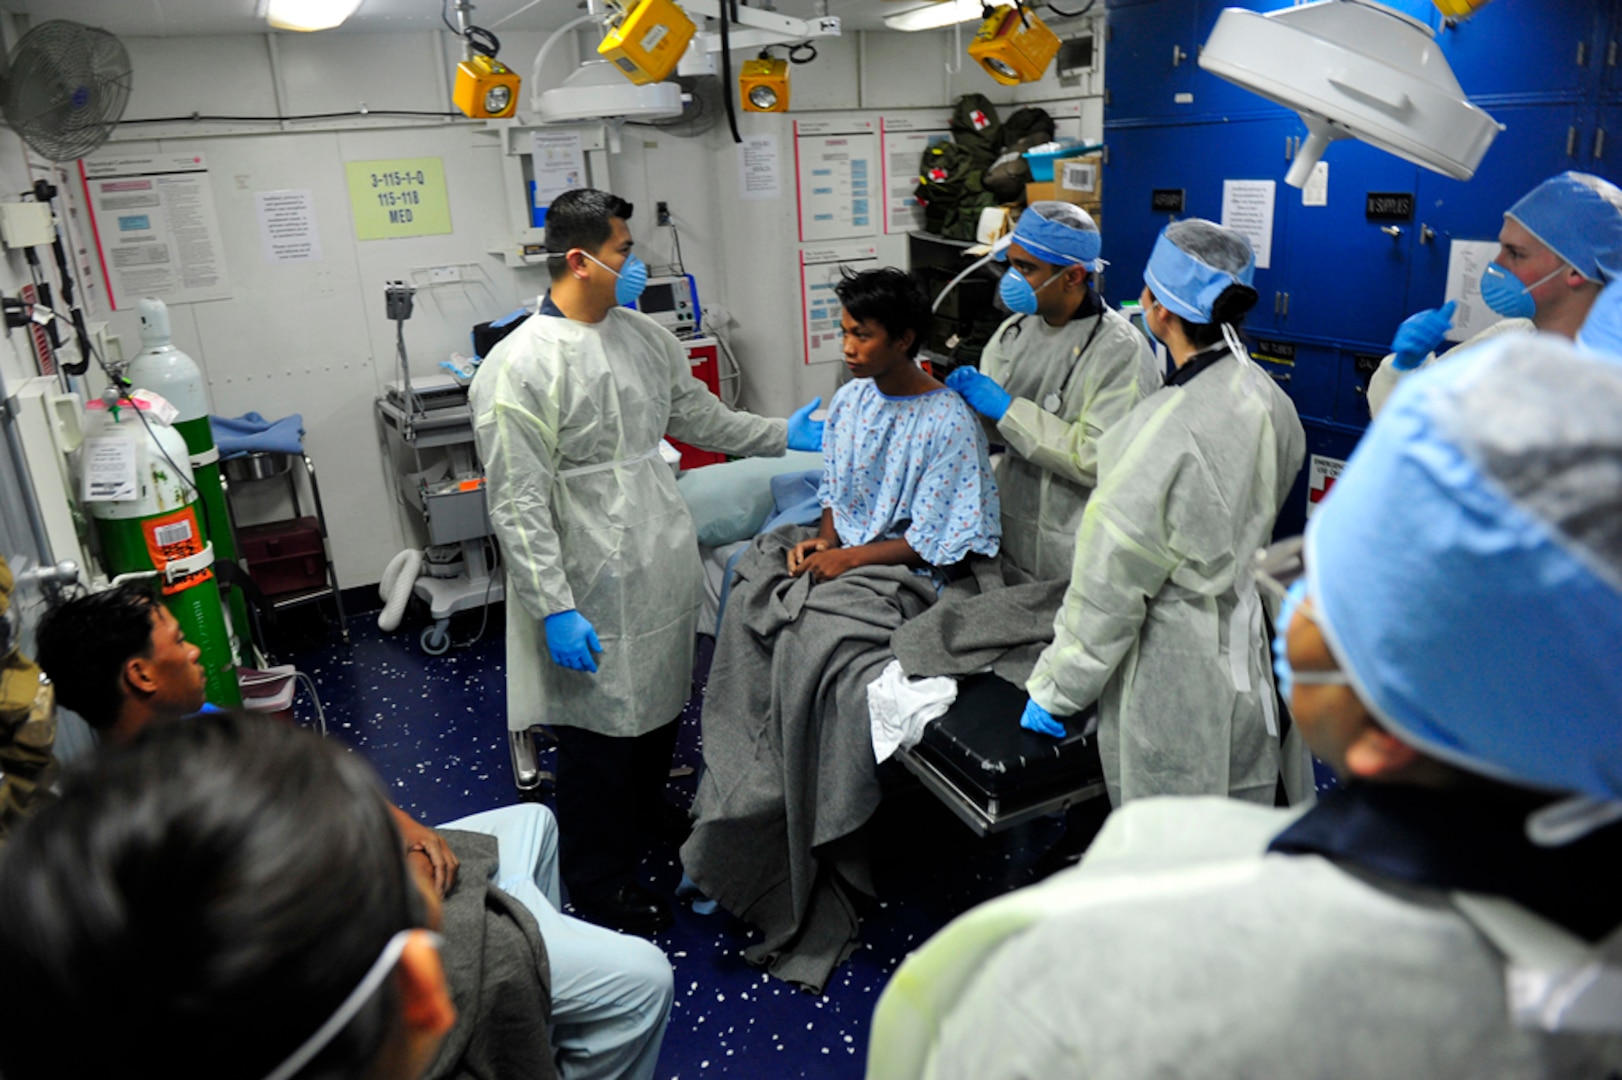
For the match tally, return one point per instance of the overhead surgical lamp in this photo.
(1014, 46)
(763, 85)
(1354, 69)
(308, 14)
(933, 16)
(647, 39)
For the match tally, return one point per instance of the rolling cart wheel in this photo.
(436, 639)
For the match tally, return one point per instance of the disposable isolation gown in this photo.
(1162, 624)
(1052, 465)
(1386, 377)
(568, 417)
(1179, 947)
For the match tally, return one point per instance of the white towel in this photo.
(899, 707)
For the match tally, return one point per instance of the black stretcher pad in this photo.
(993, 773)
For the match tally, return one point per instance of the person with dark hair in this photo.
(1058, 373)
(119, 659)
(791, 776)
(1448, 645)
(1162, 626)
(218, 898)
(610, 994)
(601, 557)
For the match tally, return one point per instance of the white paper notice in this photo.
(1316, 190)
(838, 182)
(155, 228)
(1466, 259)
(559, 162)
(819, 273)
(1247, 208)
(287, 226)
(109, 470)
(903, 150)
(760, 172)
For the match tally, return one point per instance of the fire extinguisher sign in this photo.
(1322, 473)
(175, 536)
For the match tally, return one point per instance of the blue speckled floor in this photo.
(434, 729)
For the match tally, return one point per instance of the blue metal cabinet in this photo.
(1348, 274)
(1530, 50)
(1149, 59)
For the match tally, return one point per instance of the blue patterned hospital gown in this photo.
(914, 467)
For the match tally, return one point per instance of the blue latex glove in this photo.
(981, 392)
(805, 433)
(1039, 720)
(572, 639)
(1420, 335)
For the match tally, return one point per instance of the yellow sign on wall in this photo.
(401, 197)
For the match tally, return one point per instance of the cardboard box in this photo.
(1080, 180)
(1045, 191)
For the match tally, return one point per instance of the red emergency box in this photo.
(704, 354)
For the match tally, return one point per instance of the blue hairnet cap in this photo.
(1193, 262)
(1601, 333)
(1060, 233)
(1466, 568)
(1578, 217)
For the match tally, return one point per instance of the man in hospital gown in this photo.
(1056, 375)
(1559, 246)
(601, 558)
(1444, 913)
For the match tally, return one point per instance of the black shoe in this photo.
(630, 908)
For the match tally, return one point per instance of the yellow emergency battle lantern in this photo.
(485, 88)
(763, 85)
(647, 40)
(1014, 47)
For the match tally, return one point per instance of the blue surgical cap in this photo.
(1059, 233)
(1466, 568)
(1579, 218)
(1601, 333)
(1193, 262)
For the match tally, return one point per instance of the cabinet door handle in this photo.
(1610, 54)
(1278, 377)
(1426, 233)
(1571, 141)
(1289, 147)
(1278, 302)
(1286, 305)
(1178, 56)
(1582, 54)
(1599, 143)
(1393, 231)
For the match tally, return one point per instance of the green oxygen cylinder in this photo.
(137, 486)
(176, 378)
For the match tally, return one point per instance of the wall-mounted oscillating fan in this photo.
(66, 88)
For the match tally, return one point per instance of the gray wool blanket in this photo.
(496, 967)
(789, 771)
(996, 616)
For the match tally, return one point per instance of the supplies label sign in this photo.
(1322, 472)
(399, 197)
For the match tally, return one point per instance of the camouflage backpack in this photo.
(951, 191)
(975, 127)
(1007, 176)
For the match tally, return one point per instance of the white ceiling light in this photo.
(1354, 69)
(935, 15)
(308, 14)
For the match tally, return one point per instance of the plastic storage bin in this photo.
(285, 556)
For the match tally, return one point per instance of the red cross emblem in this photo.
(978, 119)
(938, 175)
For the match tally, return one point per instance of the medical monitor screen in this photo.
(657, 298)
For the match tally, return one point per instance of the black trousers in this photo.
(608, 794)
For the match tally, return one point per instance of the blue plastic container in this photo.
(1043, 157)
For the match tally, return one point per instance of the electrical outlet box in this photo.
(445, 275)
(661, 213)
(26, 224)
